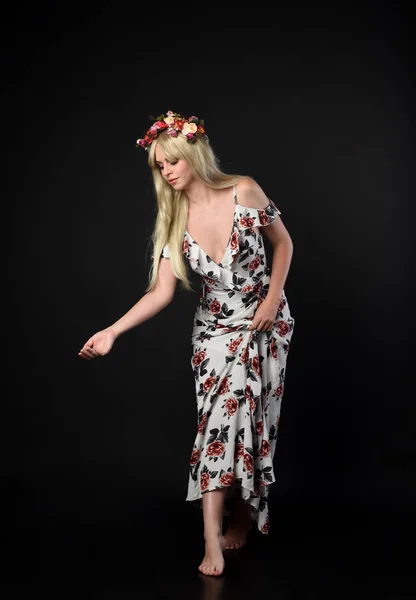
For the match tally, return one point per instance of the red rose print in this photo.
(195, 456)
(224, 386)
(185, 246)
(215, 449)
(199, 357)
(252, 405)
(233, 346)
(247, 288)
(204, 480)
(265, 528)
(248, 392)
(279, 390)
(256, 364)
(283, 328)
(248, 462)
(254, 263)
(227, 479)
(263, 217)
(265, 448)
(231, 406)
(259, 427)
(273, 348)
(215, 307)
(238, 450)
(246, 222)
(257, 288)
(208, 383)
(210, 281)
(207, 290)
(244, 355)
(234, 240)
(281, 305)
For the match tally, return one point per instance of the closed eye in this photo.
(160, 166)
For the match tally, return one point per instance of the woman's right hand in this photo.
(99, 344)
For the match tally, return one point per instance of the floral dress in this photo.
(239, 374)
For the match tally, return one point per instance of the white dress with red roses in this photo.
(239, 374)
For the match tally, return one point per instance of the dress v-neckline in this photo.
(228, 243)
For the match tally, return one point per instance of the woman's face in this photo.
(177, 173)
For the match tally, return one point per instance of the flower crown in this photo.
(173, 123)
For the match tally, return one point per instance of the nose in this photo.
(168, 170)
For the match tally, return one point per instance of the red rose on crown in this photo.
(192, 128)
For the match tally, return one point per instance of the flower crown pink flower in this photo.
(173, 124)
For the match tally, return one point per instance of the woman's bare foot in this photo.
(213, 562)
(235, 537)
(239, 527)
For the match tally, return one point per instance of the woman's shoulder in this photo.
(250, 194)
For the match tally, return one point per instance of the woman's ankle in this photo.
(212, 532)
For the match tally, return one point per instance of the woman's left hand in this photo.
(265, 316)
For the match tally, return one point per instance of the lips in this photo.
(172, 180)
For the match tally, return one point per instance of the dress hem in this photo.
(197, 499)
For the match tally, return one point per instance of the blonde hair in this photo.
(173, 206)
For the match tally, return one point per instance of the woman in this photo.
(242, 326)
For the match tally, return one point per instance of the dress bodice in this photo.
(244, 262)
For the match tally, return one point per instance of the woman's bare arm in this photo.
(151, 303)
(147, 307)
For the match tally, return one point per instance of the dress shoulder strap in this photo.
(235, 194)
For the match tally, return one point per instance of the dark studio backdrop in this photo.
(316, 105)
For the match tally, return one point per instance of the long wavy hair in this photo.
(172, 206)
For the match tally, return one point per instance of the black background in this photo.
(315, 103)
